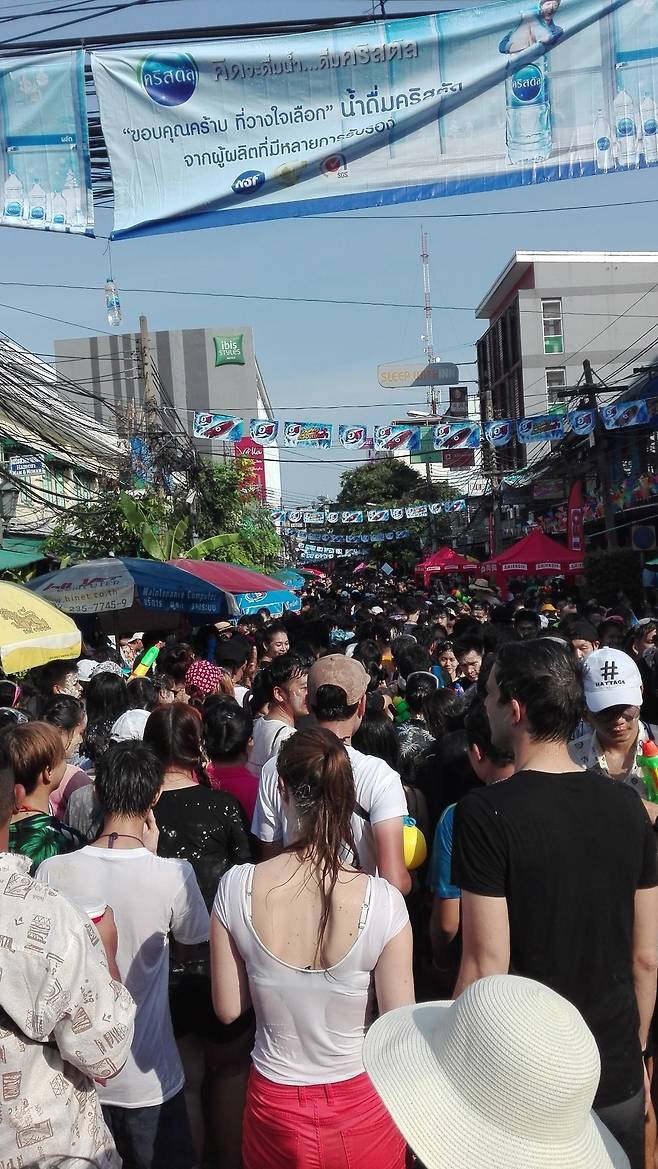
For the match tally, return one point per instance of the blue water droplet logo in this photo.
(527, 83)
(169, 79)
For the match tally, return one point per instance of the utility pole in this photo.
(599, 442)
(428, 335)
(490, 463)
(151, 397)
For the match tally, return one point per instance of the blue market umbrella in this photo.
(288, 576)
(277, 602)
(118, 584)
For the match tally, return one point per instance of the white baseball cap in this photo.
(611, 678)
(129, 726)
(86, 667)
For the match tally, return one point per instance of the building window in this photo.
(82, 488)
(54, 485)
(556, 379)
(551, 311)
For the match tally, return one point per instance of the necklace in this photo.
(112, 838)
(29, 808)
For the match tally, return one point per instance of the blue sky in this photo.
(312, 355)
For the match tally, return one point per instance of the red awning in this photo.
(535, 553)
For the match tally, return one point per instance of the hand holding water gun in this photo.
(141, 670)
(648, 764)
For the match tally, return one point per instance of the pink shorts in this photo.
(319, 1126)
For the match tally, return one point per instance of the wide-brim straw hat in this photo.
(504, 1077)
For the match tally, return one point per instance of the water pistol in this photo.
(648, 764)
(147, 661)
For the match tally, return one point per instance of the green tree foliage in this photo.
(393, 483)
(227, 521)
(387, 482)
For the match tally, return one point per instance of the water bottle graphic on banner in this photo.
(37, 197)
(528, 129)
(649, 120)
(13, 203)
(625, 130)
(603, 153)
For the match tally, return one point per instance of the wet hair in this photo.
(478, 734)
(270, 631)
(142, 694)
(581, 630)
(419, 687)
(45, 678)
(259, 694)
(233, 652)
(227, 729)
(527, 615)
(281, 670)
(402, 643)
(543, 676)
(174, 733)
(106, 698)
(175, 661)
(32, 749)
(377, 736)
(128, 778)
(468, 643)
(316, 771)
(64, 712)
(443, 710)
(411, 660)
(369, 654)
(330, 704)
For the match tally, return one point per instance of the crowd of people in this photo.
(374, 884)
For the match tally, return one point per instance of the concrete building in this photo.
(547, 311)
(52, 452)
(192, 371)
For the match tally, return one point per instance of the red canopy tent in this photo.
(536, 554)
(445, 560)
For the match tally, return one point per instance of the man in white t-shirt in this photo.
(287, 676)
(152, 898)
(337, 697)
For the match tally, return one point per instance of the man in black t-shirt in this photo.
(559, 876)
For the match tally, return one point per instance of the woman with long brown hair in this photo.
(300, 936)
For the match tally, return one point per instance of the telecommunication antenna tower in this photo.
(428, 336)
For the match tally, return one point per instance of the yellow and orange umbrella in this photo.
(32, 631)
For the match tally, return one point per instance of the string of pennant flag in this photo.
(464, 435)
(416, 511)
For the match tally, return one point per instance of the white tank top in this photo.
(310, 1024)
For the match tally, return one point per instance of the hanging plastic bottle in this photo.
(112, 303)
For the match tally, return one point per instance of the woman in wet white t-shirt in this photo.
(303, 937)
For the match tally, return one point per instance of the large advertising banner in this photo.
(44, 144)
(473, 99)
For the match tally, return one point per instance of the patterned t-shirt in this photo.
(63, 1023)
(40, 836)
